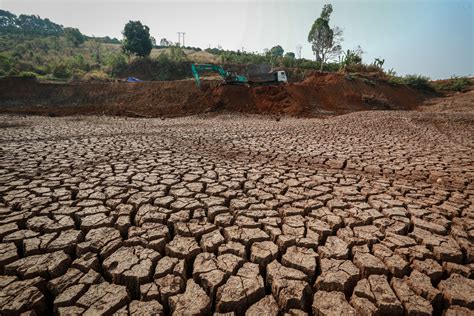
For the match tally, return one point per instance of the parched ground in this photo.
(370, 213)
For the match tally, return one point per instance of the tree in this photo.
(136, 39)
(165, 42)
(74, 36)
(325, 41)
(290, 55)
(277, 51)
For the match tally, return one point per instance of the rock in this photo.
(331, 304)
(458, 290)
(337, 275)
(194, 301)
(48, 266)
(131, 266)
(240, 291)
(103, 298)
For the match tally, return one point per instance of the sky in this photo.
(429, 37)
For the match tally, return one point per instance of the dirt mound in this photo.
(319, 94)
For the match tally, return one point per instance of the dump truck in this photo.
(275, 77)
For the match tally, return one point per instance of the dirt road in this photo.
(370, 212)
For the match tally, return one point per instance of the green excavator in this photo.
(228, 77)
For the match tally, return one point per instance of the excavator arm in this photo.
(226, 76)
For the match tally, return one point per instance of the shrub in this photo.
(96, 75)
(5, 62)
(454, 84)
(418, 82)
(27, 74)
(61, 71)
(116, 63)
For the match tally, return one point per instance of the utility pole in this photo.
(298, 51)
(179, 37)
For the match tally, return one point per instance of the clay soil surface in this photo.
(368, 213)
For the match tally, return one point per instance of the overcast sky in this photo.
(430, 37)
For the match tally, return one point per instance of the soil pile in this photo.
(320, 94)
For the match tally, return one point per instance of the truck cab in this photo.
(281, 76)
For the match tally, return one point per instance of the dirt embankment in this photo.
(319, 94)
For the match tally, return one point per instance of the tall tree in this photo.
(136, 39)
(277, 51)
(74, 36)
(325, 41)
(165, 42)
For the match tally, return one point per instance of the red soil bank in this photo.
(319, 94)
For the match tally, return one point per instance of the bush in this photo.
(61, 71)
(96, 75)
(5, 62)
(454, 84)
(116, 63)
(27, 74)
(418, 81)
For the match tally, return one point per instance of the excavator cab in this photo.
(228, 77)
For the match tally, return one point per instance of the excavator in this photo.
(275, 77)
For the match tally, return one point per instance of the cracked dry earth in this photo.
(370, 213)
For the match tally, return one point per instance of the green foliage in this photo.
(27, 74)
(454, 84)
(74, 36)
(325, 41)
(5, 62)
(116, 63)
(136, 39)
(416, 81)
(277, 51)
(61, 71)
(290, 55)
(164, 42)
(177, 53)
(352, 57)
(27, 24)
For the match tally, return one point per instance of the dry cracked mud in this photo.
(370, 213)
